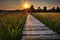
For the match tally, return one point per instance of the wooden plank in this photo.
(34, 30)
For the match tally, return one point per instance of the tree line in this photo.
(53, 9)
(32, 9)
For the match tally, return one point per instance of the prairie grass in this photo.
(11, 25)
(52, 20)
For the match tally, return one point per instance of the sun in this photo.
(26, 5)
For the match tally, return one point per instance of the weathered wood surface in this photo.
(35, 30)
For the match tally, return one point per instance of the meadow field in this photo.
(11, 25)
(52, 20)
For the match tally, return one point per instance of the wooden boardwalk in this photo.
(35, 30)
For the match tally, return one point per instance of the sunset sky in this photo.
(18, 4)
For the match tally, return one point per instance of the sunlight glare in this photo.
(26, 5)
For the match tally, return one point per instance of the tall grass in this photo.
(52, 20)
(11, 25)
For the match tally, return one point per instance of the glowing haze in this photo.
(18, 4)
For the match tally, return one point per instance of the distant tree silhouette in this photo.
(1, 10)
(57, 9)
(53, 9)
(39, 9)
(45, 9)
(32, 8)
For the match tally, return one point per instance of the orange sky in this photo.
(18, 4)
